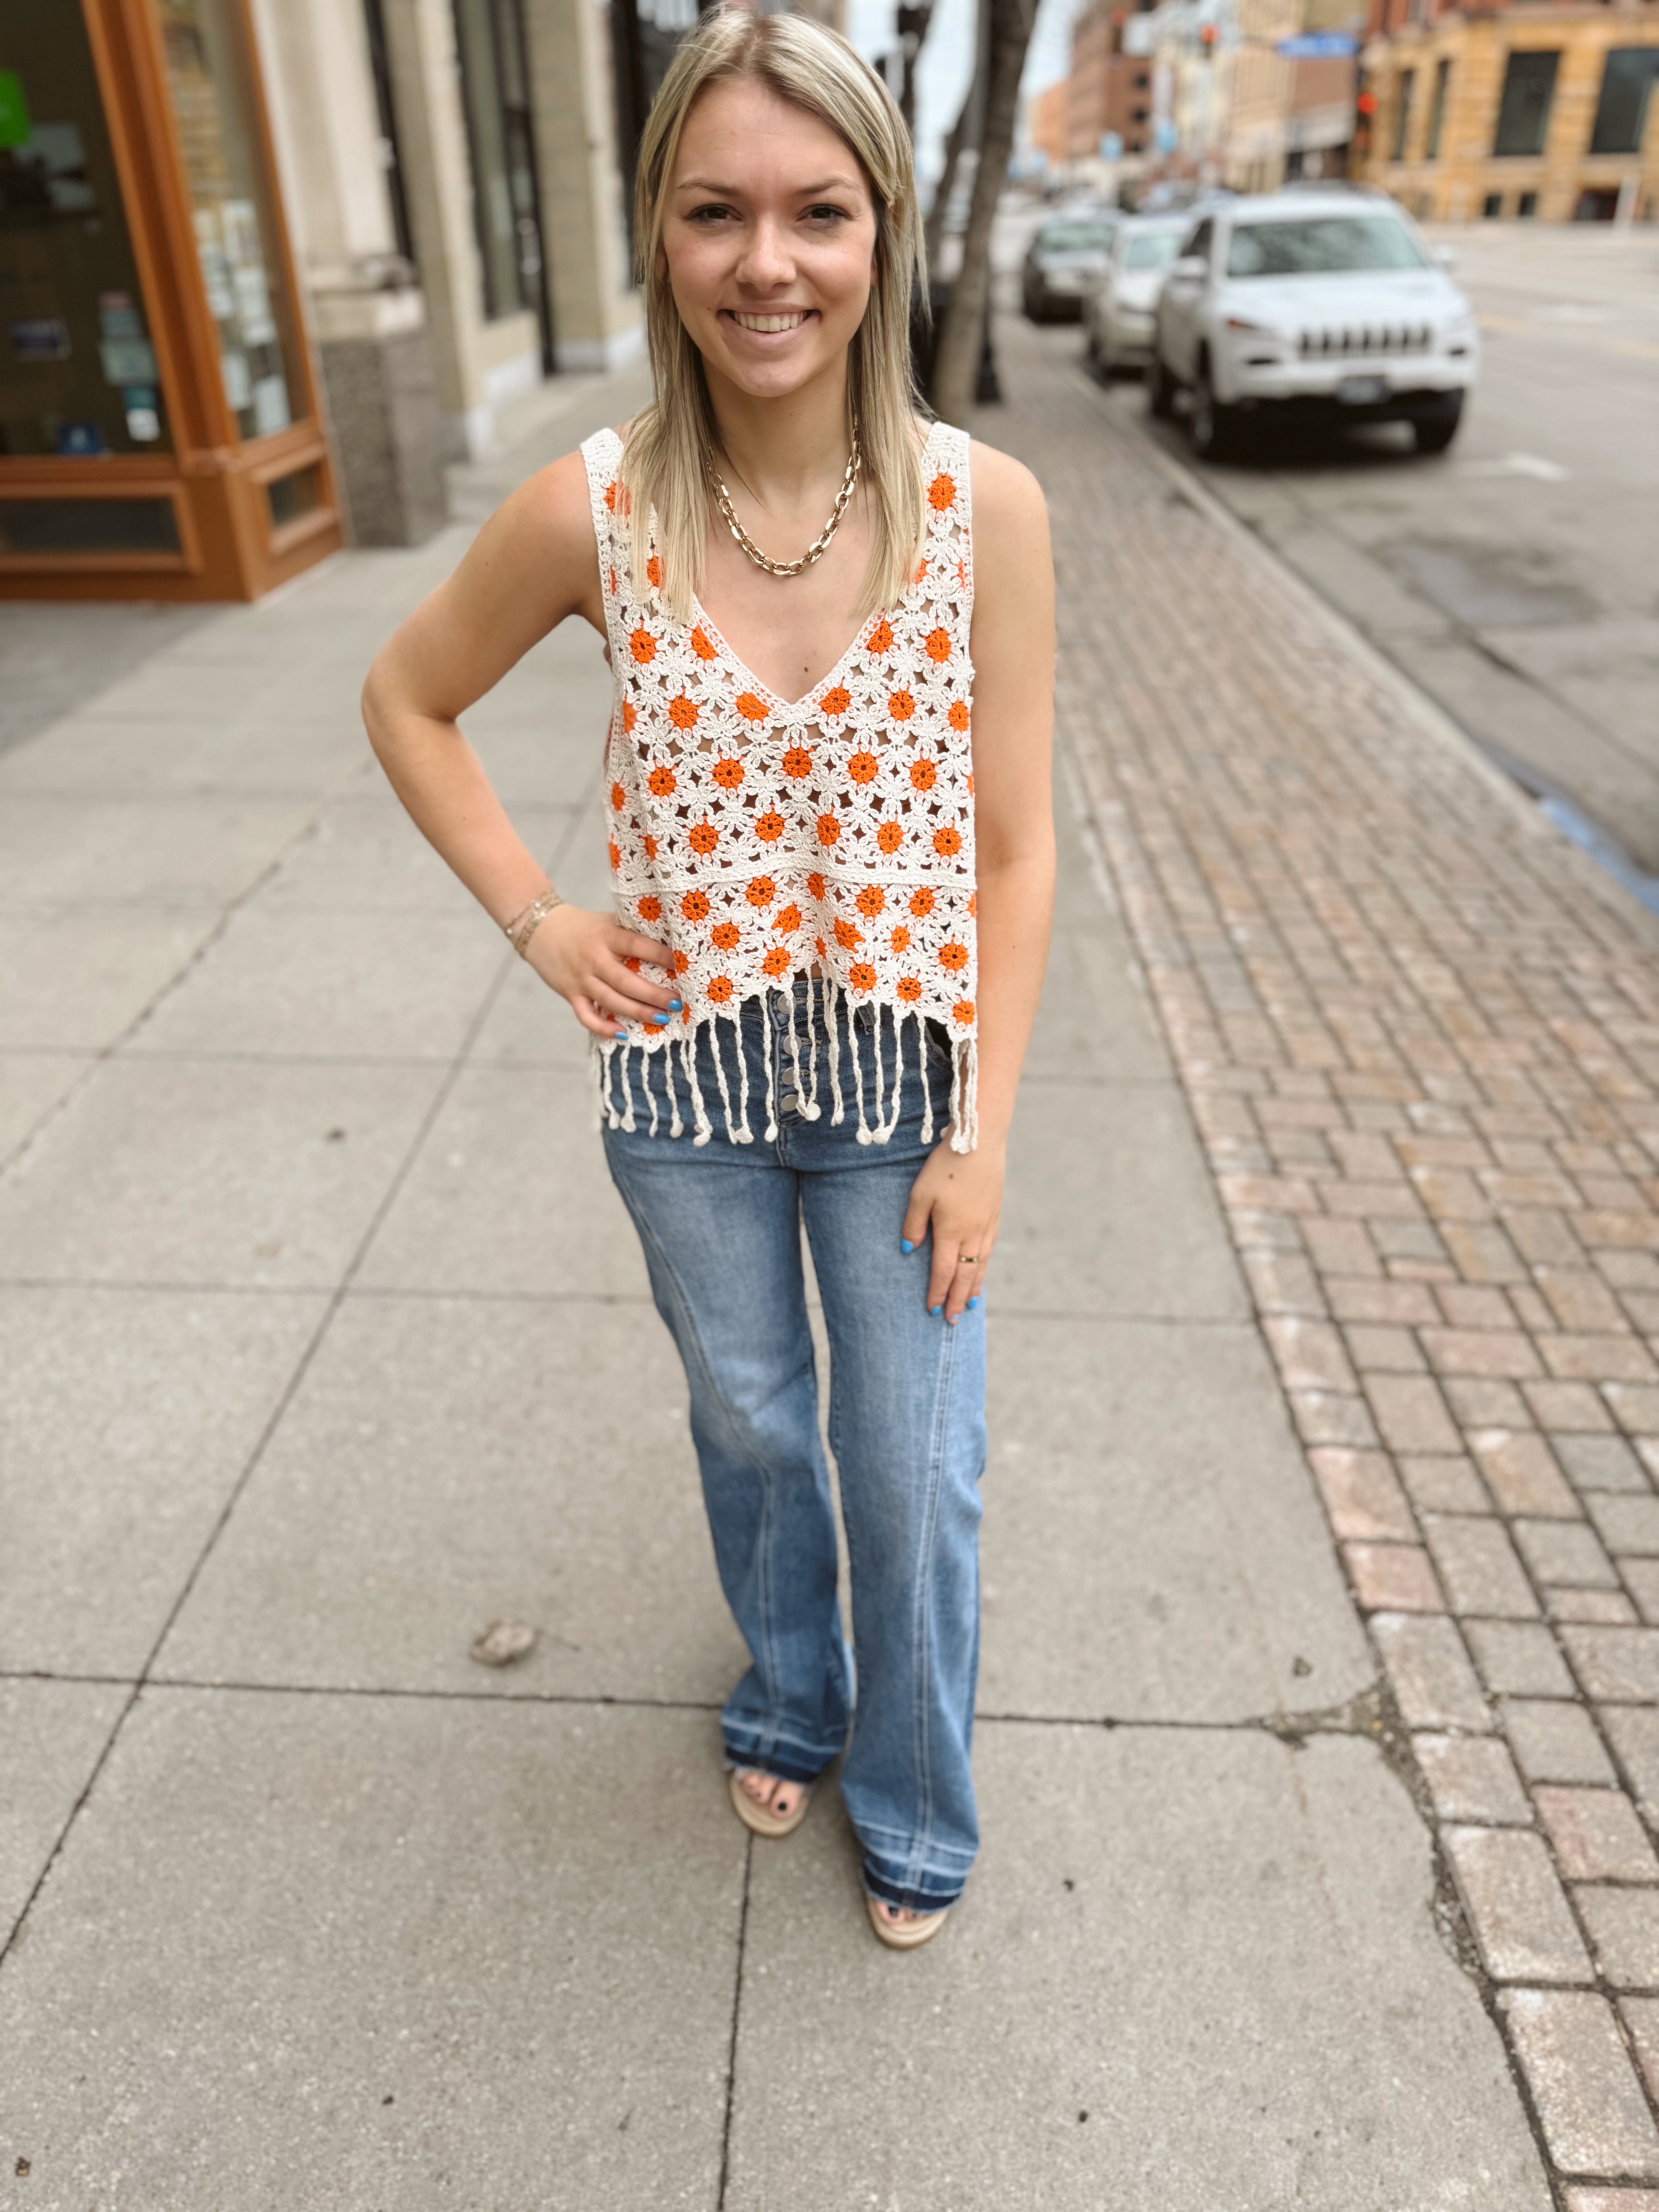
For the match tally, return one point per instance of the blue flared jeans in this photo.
(720, 1223)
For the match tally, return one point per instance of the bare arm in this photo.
(532, 565)
(960, 1194)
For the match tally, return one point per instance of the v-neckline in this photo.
(700, 615)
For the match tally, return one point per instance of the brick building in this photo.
(1108, 90)
(1540, 110)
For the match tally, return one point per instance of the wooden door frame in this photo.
(229, 547)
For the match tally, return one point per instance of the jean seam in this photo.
(935, 1479)
(683, 1305)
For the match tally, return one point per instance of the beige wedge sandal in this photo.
(912, 1935)
(757, 1818)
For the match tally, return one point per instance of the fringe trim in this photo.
(611, 1062)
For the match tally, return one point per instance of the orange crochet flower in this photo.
(632, 964)
(863, 767)
(613, 583)
(650, 909)
(694, 906)
(789, 920)
(880, 639)
(901, 706)
(899, 938)
(947, 841)
(724, 937)
(937, 644)
(777, 962)
(835, 700)
(769, 825)
(642, 645)
(728, 772)
(923, 773)
(650, 844)
(957, 717)
(814, 884)
(909, 988)
(829, 829)
(630, 716)
(662, 782)
(891, 836)
(847, 934)
(653, 572)
(963, 1012)
(610, 495)
(922, 901)
(953, 957)
(871, 900)
(941, 494)
(762, 890)
(615, 851)
(751, 708)
(618, 797)
(682, 962)
(682, 712)
(970, 785)
(702, 837)
(973, 905)
(702, 646)
(797, 760)
(861, 977)
(719, 989)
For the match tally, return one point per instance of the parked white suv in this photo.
(1326, 303)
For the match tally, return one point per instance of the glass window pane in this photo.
(1437, 111)
(1403, 114)
(88, 525)
(77, 372)
(209, 77)
(1622, 114)
(493, 213)
(1524, 115)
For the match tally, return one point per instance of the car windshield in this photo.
(1313, 245)
(1154, 249)
(1075, 237)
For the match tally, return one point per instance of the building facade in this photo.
(1542, 111)
(1107, 96)
(267, 265)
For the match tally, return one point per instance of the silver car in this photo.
(1062, 261)
(1117, 310)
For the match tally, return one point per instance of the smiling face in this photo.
(768, 235)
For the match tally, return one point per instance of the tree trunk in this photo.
(955, 365)
(947, 183)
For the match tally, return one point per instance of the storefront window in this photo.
(505, 203)
(213, 97)
(78, 371)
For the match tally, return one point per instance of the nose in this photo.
(768, 260)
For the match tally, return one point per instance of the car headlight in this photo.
(1247, 329)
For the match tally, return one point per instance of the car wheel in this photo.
(1160, 387)
(1434, 432)
(1215, 427)
(1091, 342)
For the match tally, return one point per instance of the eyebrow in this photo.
(732, 191)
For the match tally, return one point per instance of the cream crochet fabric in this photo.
(762, 837)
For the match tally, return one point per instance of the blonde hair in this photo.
(670, 445)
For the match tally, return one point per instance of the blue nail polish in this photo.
(905, 1245)
(973, 1302)
(676, 1006)
(934, 1312)
(661, 1020)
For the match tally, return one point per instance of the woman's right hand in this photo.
(591, 960)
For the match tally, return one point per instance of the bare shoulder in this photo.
(1006, 496)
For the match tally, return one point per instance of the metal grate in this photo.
(1366, 338)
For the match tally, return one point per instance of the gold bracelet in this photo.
(523, 927)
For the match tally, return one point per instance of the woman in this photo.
(832, 859)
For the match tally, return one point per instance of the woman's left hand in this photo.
(959, 1196)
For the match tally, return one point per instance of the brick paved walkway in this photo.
(1421, 1042)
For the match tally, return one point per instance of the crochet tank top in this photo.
(766, 839)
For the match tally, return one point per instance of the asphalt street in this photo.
(1514, 578)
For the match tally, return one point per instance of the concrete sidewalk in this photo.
(326, 1344)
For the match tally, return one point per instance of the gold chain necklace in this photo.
(723, 499)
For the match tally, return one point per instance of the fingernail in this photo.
(934, 1312)
(676, 1006)
(661, 1020)
(973, 1302)
(905, 1245)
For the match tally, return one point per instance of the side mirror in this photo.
(1446, 256)
(1189, 264)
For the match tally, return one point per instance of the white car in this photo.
(1326, 303)
(1117, 311)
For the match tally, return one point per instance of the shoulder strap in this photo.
(602, 459)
